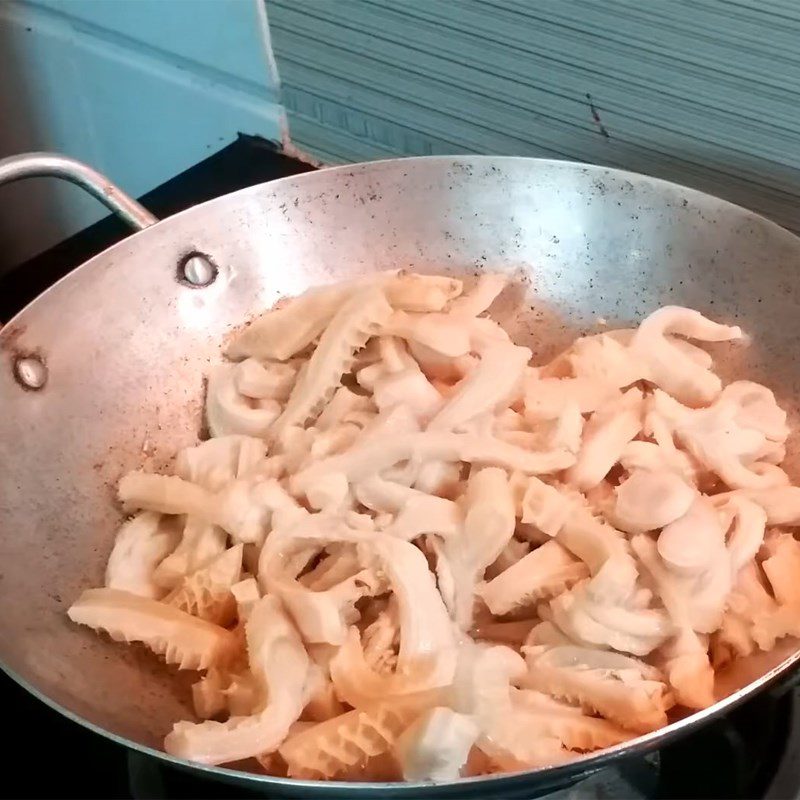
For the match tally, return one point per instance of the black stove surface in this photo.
(738, 756)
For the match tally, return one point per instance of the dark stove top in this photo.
(751, 753)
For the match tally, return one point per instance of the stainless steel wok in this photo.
(105, 370)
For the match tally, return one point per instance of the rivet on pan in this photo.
(30, 372)
(197, 270)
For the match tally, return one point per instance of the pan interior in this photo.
(126, 347)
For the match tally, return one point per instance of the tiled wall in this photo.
(141, 89)
(704, 92)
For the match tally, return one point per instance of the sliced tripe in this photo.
(166, 494)
(574, 729)
(648, 500)
(442, 333)
(482, 689)
(482, 681)
(669, 366)
(408, 387)
(294, 445)
(207, 695)
(720, 438)
(139, 547)
(605, 436)
(589, 621)
(323, 703)
(596, 542)
(567, 429)
(507, 752)
(542, 505)
(489, 385)
(343, 403)
(758, 409)
(653, 457)
(410, 291)
(606, 358)
(690, 544)
(279, 663)
(623, 690)
(546, 632)
(360, 685)
(325, 750)
(368, 376)
(751, 619)
(379, 494)
(546, 397)
(246, 594)
(515, 550)
(544, 572)
(331, 493)
(478, 299)
(393, 354)
(782, 568)
(688, 670)
(436, 745)
(351, 326)
(323, 616)
(280, 333)
(397, 421)
(180, 638)
(215, 462)
(437, 477)
(207, 593)
(453, 580)
(425, 627)
(381, 453)
(335, 440)
(442, 370)
(259, 380)
(424, 513)
(243, 507)
(781, 503)
(220, 691)
(485, 333)
(514, 633)
(695, 601)
(380, 639)
(201, 542)
(229, 412)
(489, 517)
(338, 562)
(749, 522)
(488, 526)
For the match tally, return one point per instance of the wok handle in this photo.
(53, 165)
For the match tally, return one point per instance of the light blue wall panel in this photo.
(140, 89)
(705, 92)
(214, 36)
